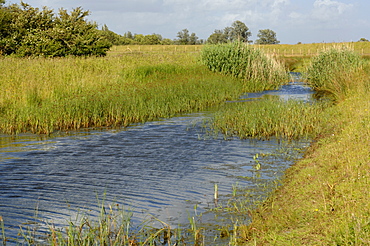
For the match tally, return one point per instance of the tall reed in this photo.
(337, 71)
(259, 71)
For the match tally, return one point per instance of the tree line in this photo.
(238, 31)
(29, 31)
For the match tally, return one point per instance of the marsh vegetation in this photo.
(323, 198)
(45, 95)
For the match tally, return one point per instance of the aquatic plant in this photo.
(267, 118)
(258, 70)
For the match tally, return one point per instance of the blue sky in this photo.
(306, 21)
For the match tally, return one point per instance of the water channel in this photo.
(161, 168)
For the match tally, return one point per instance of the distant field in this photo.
(116, 50)
(362, 48)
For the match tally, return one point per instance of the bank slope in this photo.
(325, 197)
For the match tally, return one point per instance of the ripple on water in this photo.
(161, 168)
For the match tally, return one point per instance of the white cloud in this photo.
(293, 20)
(278, 3)
(328, 10)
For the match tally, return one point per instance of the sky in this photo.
(306, 21)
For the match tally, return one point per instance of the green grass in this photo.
(324, 197)
(269, 117)
(44, 95)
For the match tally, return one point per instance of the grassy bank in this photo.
(324, 197)
(44, 95)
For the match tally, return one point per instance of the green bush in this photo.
(28, 31)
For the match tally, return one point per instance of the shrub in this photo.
(28, 31)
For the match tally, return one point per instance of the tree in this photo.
(76, 36)
(6, 18)
(183, 36)
(112, 37)
(152, 39)
(193, 39)
(34, 32)
(363, 40)
(217, 37)
(239, 31)
(266, 36)
(128, 35)
(186, 38)
(167, 41)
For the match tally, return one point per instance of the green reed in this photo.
(44, 95)
(336, 71)
(267, 118)
(258, 70)
(113, 225)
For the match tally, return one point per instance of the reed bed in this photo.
(259, 71)
(266, 118)
(337, 71)
(44, 95)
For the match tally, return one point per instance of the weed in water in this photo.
(268, 118)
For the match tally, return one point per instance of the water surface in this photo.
(161, 168)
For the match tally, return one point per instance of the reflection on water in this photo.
(293, 90)
(162, 168)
